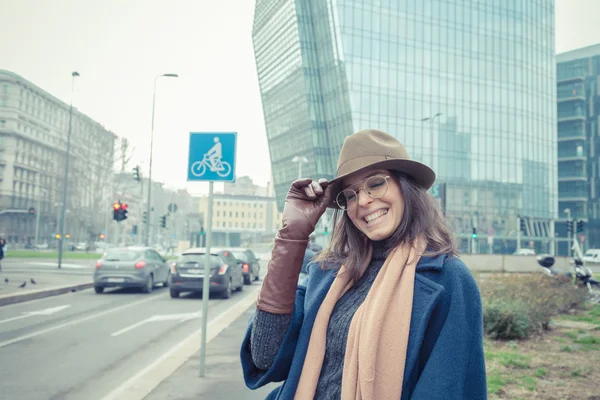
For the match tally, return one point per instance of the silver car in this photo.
(139, 267)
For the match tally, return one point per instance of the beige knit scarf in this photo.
(378, 335)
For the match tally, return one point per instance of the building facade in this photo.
(33, 136)
(241, 217)
(578, 107)
(467, 86)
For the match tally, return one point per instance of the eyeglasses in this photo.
(374, 186)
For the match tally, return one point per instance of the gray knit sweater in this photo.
(268, 331)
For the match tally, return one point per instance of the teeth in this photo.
(375, 215)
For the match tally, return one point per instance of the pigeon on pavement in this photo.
(5, 280)
(23, 284)
(33, 281)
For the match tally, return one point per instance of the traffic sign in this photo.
(212, 156)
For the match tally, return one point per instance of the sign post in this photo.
(211, 158)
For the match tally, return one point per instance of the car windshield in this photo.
(122, 255)
(590, 253)
(240, 255)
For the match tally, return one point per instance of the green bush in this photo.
(517, 305)
(505, 320)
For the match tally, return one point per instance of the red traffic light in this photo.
(124, 206)
(31, 210)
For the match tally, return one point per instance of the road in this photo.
(82, 345)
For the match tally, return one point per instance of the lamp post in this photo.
(432, 120)
(61, 228)
(300, 160)
(148, 208)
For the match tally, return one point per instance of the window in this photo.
(218, 213)
(236, 214)
(242, 214)
(231, 213)
(2, 123)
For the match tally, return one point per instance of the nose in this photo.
(363, 198)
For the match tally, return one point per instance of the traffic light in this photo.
(570, 226)
(325, 231)
(31, 211)
(202, 230)
(163, 221)
(145, 217)
(136, 173)
(580, 226)
(474, 234)
(134, 230)
(523, 225)
(57, 236)
(119, 211)
(102, 236)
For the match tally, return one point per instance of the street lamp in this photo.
(432, 120)
(61, 228)
(300, 160)
(151, 146)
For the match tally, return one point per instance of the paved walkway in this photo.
(223, 378)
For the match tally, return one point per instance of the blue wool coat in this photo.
(444, 358)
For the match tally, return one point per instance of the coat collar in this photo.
(431, 263)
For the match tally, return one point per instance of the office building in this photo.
(33, 137)
(578, 108)
(467, 86)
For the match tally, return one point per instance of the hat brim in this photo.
(420, 173)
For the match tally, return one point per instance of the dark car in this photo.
(187, 273)
(131, 267)
(249, 263)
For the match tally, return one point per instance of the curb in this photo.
(40, 294)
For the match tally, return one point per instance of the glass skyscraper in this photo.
(578, 77)
(468, 86)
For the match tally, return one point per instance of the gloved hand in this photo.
(306, 201)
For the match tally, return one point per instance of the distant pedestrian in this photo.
(2, 245)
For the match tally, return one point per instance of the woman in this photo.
(387, 311)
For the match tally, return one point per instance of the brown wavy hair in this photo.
(422, 216)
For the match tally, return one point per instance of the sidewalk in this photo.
(223, 378)
(46, 284)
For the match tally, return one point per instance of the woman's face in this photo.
(377, 218)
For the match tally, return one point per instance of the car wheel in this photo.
(227, 293)
(98, 289)
(149, 285)
(257, 277)
(174, 293)
(248, 279)
(242, 281)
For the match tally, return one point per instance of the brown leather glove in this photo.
(306, 201)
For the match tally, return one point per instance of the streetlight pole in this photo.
(432, 119)
(147, 233)
(568, 212)
(61, 228)
(300, 160)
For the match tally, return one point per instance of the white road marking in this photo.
(53, 264)
(142, 383)
(172, 317)
(47, 311)
(74, 322)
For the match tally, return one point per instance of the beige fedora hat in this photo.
(371, 148)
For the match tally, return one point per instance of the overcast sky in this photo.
(120, 46)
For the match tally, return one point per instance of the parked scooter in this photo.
(583, 275)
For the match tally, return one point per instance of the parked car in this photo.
(187, 273)
(139, 267)
(592, 256)
(249, 263)
(524, 252)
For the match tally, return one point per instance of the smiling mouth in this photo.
(375, 217)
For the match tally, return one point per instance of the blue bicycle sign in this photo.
(212, 156)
